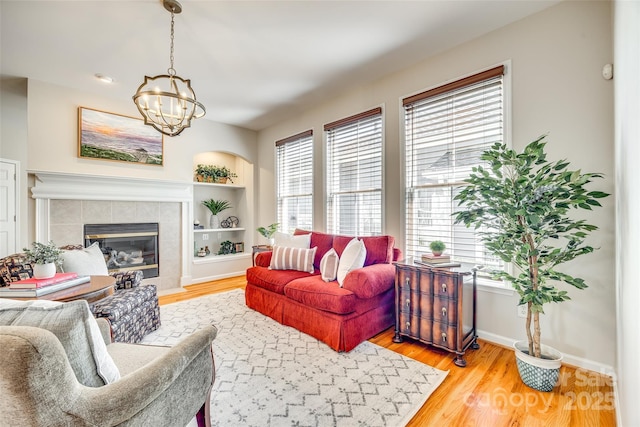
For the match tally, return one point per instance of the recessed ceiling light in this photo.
(103, 78)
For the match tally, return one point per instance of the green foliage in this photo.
(520, 206)
(437, 246)
(227, 247)
(269, 230)
(43, 253)
(216, 206)
(215, 171)
(101, 153)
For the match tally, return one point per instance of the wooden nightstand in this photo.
(437, 307)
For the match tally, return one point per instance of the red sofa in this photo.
(340, 317)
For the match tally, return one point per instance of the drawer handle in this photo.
(408, 325)
(444, 288)
(407, 282)
(444, 311)
(444, 337)
(408, 302)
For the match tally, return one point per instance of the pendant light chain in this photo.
(171, 71)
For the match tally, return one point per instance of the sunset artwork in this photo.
(108, 136)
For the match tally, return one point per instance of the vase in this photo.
(44, 271)
(538, 373)
(214, 222)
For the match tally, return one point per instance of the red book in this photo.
(34, 283)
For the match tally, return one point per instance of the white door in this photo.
(8, 206)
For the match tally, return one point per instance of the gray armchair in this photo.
(158, 386)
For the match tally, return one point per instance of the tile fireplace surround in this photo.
(65, 202)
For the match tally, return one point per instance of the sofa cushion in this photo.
(286, 258)
(379, 248)
(86, 262)
(13, 268)
(77, 331)
(322, 241)
(291, 241)
(316, 293)
(329, 266)
(351, 259)
(273, 280)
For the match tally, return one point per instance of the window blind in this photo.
(446, 131)
(294, 178)
(354, 175)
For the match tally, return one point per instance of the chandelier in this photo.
(167, 101)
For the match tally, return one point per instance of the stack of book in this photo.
(29, 288)
(437, 261)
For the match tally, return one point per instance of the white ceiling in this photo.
(251, 63)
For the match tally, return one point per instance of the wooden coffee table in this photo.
(97, 288)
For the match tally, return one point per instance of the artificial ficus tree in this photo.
(520, 204)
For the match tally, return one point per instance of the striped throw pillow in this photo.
(329, 265)
(299, 259)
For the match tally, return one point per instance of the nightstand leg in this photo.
(397, 338)
(475, 345)
(459, 361)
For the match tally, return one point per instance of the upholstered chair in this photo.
(59, 367)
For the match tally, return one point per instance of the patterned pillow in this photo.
(329, 265)
(299, 259)
(13, 268)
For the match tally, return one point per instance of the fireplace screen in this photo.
(126, 247)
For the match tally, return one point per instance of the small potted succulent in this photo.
(437, 247)
(45, 257)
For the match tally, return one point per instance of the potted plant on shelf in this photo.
(268, 231)
(222, 174)
(45, 258)
(437, 247)
(520, 205)
(215, 207)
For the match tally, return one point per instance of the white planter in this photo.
(538, 373)
(44, 271)
(214, 222)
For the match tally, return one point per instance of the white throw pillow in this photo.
(329, 265)
(302, 241)
(86, 262)
(292, 259)
(352, 258)
(76, 329)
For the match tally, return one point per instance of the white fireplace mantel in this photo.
(62, 186)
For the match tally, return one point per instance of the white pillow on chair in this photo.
(86, 262)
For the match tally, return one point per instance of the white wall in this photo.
(627, 91)
(557, 88)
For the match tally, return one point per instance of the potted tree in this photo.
(45, 257)
(521, 205)
(215, 207)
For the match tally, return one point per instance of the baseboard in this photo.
(568, 359)
(218, 277)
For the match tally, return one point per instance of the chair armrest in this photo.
(263, 259)
(128, 279)
(105, 329)
(117, 402)
(371, 280)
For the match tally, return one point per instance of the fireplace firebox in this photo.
(132, 246)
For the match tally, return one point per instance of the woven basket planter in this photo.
(539, 374)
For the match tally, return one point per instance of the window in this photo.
(446, 131)
(294, 175)
(354, 175)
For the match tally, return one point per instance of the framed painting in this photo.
(109, 136)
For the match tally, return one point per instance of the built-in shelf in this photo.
(220, 258)
(212, 184)
(213, 230)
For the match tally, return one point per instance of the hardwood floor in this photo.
(488, 392)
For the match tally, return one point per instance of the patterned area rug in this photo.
(272, 375)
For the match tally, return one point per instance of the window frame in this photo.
(302, 137)
(484, 282)
(377, 112)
